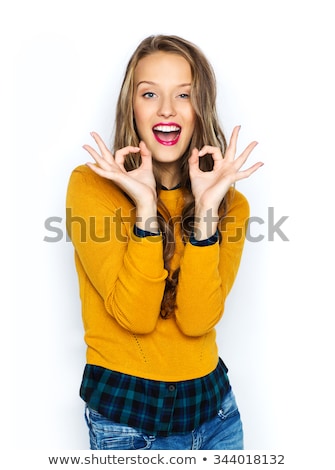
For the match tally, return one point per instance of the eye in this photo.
(149, 94)
(184, 96)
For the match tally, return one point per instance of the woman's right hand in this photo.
(139, 184)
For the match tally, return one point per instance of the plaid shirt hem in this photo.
(154, 407)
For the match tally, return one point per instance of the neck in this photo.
(168, 176)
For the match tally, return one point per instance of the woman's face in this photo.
(163, 112)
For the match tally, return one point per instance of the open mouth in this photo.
(167, 134)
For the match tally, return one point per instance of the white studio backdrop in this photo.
(275, 78)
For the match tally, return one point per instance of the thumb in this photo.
(193, 160)
(145, 152)
(145, 155)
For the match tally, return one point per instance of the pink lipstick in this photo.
(167, 133)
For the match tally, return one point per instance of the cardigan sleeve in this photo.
(207, 273)
(126, 271)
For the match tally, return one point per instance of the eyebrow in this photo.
(147, 82)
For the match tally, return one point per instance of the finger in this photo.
(122, 153)
(231, 149)
(193, 161)
(105, 152)
(100, 171)
(245, 154)
(100, 143)
(214, 151)
(145, 154)
(98, 158)
(246, 173)
(144, 149)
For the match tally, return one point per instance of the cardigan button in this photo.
(171, 388)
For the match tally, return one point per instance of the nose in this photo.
(166, 108)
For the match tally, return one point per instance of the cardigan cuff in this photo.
(207, 242)
(144, 233)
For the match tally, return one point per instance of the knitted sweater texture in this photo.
(122, 280)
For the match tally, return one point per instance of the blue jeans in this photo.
(223, 432)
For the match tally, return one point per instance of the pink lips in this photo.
(167, 133)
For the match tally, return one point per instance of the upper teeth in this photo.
(166, 128)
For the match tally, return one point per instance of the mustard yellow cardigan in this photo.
(122, 279)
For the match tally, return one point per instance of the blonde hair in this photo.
(207, 132)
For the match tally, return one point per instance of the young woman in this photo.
(158, 231)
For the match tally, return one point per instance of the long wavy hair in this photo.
(207, 132)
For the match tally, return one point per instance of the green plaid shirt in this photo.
(154, 407)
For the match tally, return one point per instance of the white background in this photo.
(274, 61)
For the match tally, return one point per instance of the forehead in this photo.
(163, 66)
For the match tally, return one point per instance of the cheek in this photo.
(191, 126)
(136, 117)
(137, 113)
(192, 119)
(140, 120)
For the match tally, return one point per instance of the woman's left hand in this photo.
(209, 188)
